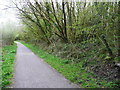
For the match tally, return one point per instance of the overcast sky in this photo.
(7, 15)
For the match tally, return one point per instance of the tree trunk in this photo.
(107, 46)
(64, 26)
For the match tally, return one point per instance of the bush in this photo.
(9, 32)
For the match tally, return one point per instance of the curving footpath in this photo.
(33, 72)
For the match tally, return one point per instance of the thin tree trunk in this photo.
(107, 46)
(64, 15)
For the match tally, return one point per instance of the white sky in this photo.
(7, 15)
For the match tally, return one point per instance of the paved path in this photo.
(33, 72)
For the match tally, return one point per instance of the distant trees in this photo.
(9, 32)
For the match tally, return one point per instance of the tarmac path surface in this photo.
(32, 72)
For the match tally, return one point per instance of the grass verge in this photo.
(72, 71)
(8, 56)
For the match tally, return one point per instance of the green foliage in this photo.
(81, 33)
(75, 72)
(8, 56)
(46, 23)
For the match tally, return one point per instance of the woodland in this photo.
(78, 32)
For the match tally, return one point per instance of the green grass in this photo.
(0, 66)
(8, 56)
(72, 71)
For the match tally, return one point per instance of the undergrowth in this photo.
(75, 72)
(8, 56)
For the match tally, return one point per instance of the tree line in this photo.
(72, 22)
